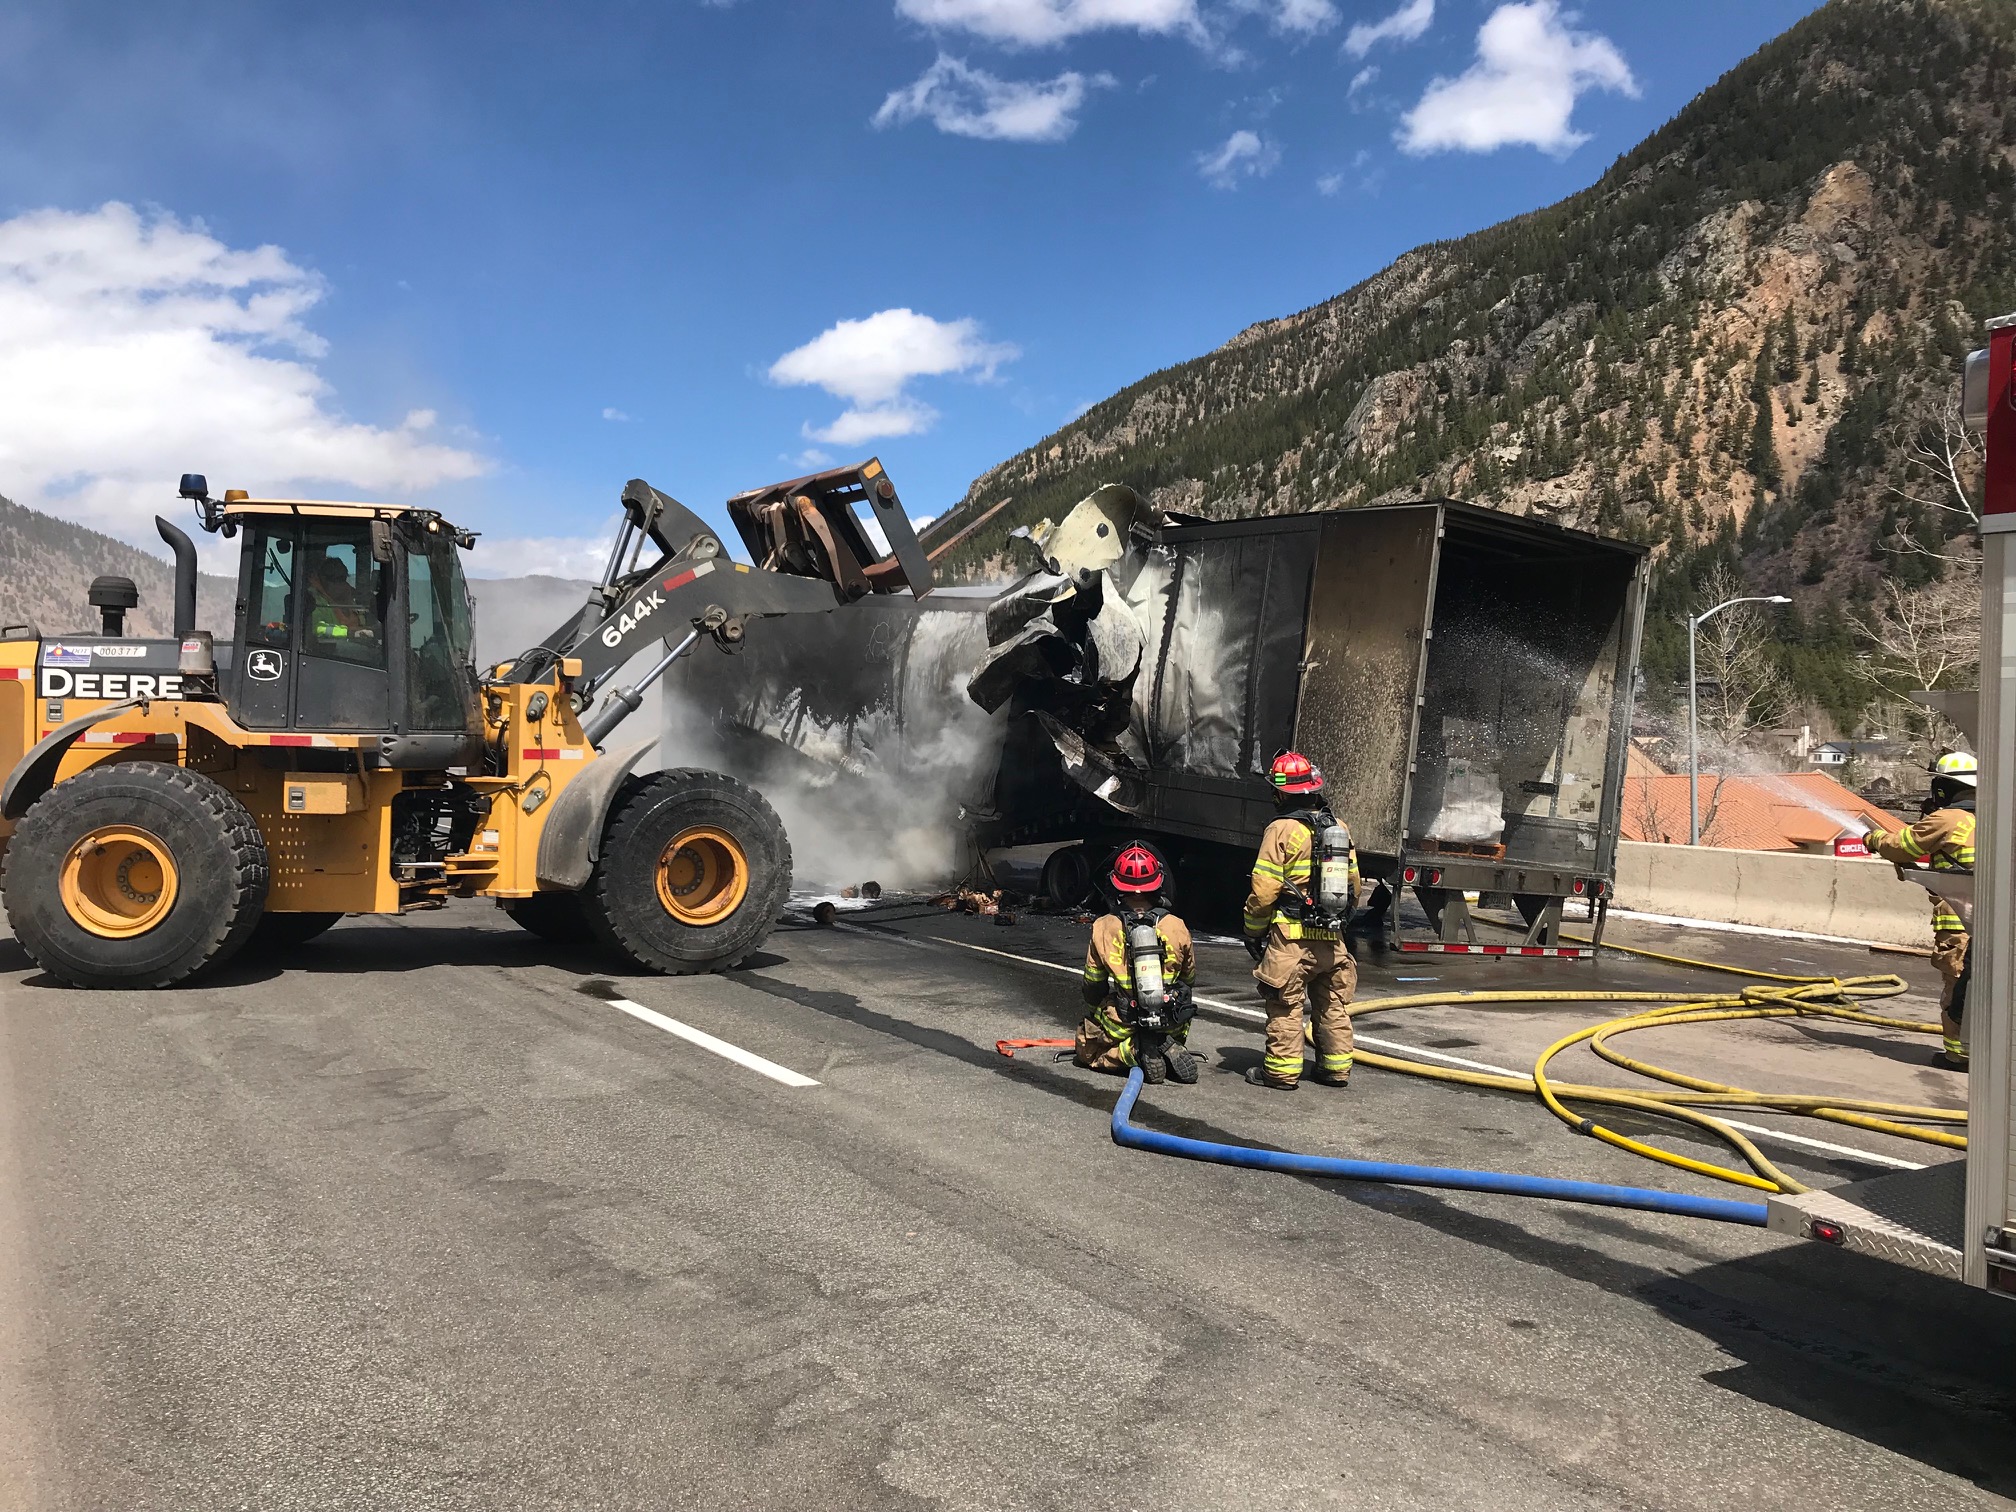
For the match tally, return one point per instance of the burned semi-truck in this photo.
(1462, 676)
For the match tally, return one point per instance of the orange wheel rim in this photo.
(703, 876)
(118, 881)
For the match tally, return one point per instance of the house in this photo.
(1838, 753)
(1775, 811)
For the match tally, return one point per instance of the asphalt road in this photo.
(422, 1220)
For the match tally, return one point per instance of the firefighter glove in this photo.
(1256, 946)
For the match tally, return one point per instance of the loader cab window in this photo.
(345, 592)
(271, 618)
(441, 686)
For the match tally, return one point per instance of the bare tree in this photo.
(1927, 637)
(1942, 472)
(1741, 690)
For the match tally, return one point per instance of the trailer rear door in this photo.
(1362, 661)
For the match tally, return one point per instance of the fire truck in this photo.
(1958, 1219)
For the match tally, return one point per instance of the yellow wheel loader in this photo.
(167, 802)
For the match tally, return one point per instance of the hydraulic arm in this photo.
(809, 545)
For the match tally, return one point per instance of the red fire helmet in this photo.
(1137, 869)
(1293, 772)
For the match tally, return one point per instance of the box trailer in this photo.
(1462, 676)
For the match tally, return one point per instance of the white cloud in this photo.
(1329, 184)
(1244, 154)
(1361, 79)
(614, 414)
(1407, 24)
(971, 102)
(1038, 23)
(140, 347)
(545, 556)
(1299, 17)
(871, 422)
(1530, 69)
(871, 362)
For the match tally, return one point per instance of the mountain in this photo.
(1731, 346)
(46, 567)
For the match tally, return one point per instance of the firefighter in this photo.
(1943, 839)
(1295, 919)
(1136, 1017)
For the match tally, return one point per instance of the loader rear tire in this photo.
(695, 868)
(134, 874)
(555, 916)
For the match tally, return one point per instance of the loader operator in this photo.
(337, 617)
(1305, 884)
(1944, 840)
(1139, 973)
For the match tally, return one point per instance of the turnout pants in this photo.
(1949, 954)
(1319, 975)
(1106, 1044)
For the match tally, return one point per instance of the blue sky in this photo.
(503, 257)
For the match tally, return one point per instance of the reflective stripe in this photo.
(1282, 1066)
(1335, 1062)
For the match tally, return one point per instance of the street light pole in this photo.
(1694, 623)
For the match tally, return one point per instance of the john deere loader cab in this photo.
(353, 617)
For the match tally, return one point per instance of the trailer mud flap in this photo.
(571, 842)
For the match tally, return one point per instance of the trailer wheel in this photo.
(285, 931)
(555, 916)
(695, 869)
(135, 874)
(1067, 877)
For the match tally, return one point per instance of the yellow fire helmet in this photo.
(1957, 766)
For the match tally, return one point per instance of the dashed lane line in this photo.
(706, 1041)
(1239, 1010)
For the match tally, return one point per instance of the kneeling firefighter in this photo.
(1305, 885)
(1943, 839)
(1139, 974)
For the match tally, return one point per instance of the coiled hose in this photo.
(1786, 997)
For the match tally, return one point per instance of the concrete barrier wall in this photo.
(1857, 899)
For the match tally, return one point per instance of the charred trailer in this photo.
(1463, 677)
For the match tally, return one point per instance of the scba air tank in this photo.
(1333, 870)
(1144, 959)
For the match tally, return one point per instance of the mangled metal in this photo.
(1462, 676)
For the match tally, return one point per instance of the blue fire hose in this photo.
(1133, 1136)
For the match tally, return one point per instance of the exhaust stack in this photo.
(185, 575)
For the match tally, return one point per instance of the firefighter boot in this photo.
(1182, 1064)
(1258, 1077)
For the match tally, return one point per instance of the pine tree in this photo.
(1763, 455)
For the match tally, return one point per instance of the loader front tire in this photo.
(134, 874)
(695, 868)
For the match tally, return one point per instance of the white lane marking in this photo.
(1854, 1152)
(707, 1041)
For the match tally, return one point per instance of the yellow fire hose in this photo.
(1801, 996)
